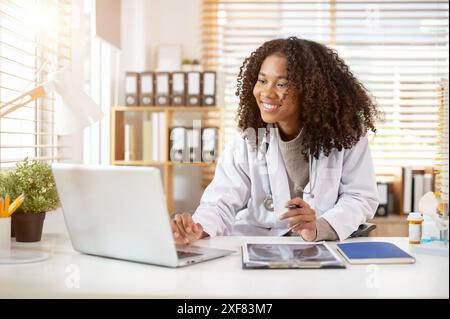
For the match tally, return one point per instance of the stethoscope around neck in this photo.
(268, 200)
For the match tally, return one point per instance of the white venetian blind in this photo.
(442, 156)
(34, 40)
(398, 49)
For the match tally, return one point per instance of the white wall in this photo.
(74, 153)
(145, 25)
(149, 23)
(132, 55)
(173, 22)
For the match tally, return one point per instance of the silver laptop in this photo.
(120, 212)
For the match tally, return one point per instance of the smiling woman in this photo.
(313, 113)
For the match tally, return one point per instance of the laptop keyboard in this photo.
(185, 254)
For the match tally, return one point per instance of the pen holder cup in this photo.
(5, 236)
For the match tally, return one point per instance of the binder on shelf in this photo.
(407, 189)
(427, 183)
(129, 139)
(147, 89)
(209, 88)
(155, 137)
(147, 140)
(209, 144)
(416, 182)
(162, 88)
(162, 137)
(178, 88)
(194, 143)
(417, 191)
(384, 205)
(193, 88)
(178, 145)
(131, 88)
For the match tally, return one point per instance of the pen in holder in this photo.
(8, 254)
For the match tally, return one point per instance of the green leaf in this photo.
(35, 180)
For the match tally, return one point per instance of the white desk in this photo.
(221, 278)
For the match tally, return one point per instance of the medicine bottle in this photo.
(415, 221)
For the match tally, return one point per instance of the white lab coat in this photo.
(345, 193)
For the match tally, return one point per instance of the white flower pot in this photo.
(5, 236)
(186, 67)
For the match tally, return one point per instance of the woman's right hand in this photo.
(184, 230)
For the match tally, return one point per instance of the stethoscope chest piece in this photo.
(268, 203)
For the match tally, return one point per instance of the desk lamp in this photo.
(78, 108)
(78, 111)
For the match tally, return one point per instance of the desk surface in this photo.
(68, 274)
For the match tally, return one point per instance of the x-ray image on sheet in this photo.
(289, 255)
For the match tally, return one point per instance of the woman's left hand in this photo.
(301, 220)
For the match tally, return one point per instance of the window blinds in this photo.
(442, 156)
(34, 40)
(398, 49)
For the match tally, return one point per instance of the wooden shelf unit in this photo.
(210, 116)
(395, 224)
(390, 226)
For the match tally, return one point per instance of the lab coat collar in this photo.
(277, 176)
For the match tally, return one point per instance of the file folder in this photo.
(178, 145)
(130, 143)
(178, 88)
(209, 88)
(383, 206)
(131, 88)
(209, 144)
(147, 89)
(163, 154)
(147, 127)
(194, 86)
(194, 144)
(162, 88)
(156, 132)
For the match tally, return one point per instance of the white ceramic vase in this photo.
(5, 236)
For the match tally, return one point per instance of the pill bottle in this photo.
(415, 221)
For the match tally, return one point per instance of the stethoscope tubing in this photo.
(268, 201)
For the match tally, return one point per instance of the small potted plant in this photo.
(186, 65)
(196, 65)
(35, 180)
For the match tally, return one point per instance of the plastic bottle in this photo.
(415, 221)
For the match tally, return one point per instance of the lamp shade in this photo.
(78, 110)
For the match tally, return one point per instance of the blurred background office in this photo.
(398, 49)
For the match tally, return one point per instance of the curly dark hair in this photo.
(335, 108)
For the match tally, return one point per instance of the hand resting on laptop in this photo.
(184, 230)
